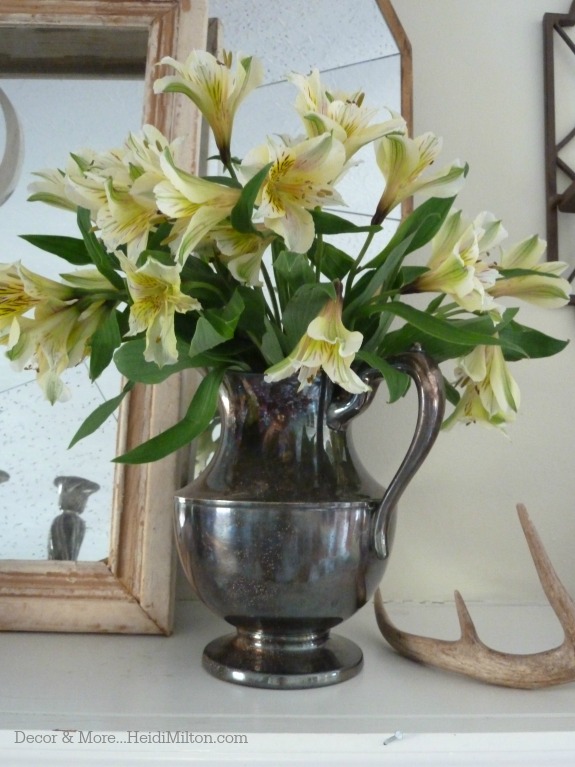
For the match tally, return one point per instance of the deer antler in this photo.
(471, 657)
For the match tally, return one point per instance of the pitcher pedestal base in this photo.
(259, 661)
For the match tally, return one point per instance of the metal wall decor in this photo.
(11, 163)
(559, 150)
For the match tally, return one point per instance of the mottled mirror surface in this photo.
(348, 41)
(58, 116)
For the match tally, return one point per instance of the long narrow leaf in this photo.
(329, 223)
(104, 343)
(100, 414)
(396, 380)
(129, 359)
(533, 343)
(439, 328)
(200, 412)
(102, 260)
(241, 215)
(381, 278)
(71, 249)
(421, 226)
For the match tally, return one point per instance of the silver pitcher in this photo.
(284, 535)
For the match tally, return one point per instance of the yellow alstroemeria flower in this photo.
(89, 172)
(215, 86)
(198, 205)
(491, 395)
(403, 160)
(157, 296)
(343, 114)
(144, 150)
(301, 178)
(242, 253)
(326, 345)
(14, 298)
(460, 265)
(126, 219)
(51, 189)
(56, 338)
(544, 287)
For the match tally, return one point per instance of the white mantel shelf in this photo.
(51, 683)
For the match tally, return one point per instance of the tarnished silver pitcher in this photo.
(283, 534)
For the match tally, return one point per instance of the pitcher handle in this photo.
(431, 395)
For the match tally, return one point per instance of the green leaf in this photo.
(439, 328)
(397, 381)
(156, 238)
(531, 343)
(294, 269)
(452, 395)
(104, 262)
(305, 305)
(408, 274)
(163, 256)
(104, 343)
(420, 227)
(71, 249)
(100, 414)
(404, 338)
(215, 326)
(197, 419)
(252, 318)
(241, 215)
(129, 359)
(329, 223)
(199, 280)
(272, 347)
(335, 263)
(379, 280)
(224, 180)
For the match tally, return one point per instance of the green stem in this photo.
(318, 257)
(354, 269)
(231, 170)
(273, 299)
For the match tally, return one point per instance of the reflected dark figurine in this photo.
(4, 476)
(68, 528)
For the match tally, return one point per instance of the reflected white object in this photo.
(11, 165)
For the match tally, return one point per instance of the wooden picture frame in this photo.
(132, 591)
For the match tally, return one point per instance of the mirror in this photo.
(33, 507)
(128, 587)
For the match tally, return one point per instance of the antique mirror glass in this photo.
(53, 60)
(57, 115)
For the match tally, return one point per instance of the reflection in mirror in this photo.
(365, 58)
(57, 116)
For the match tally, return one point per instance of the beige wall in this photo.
(478, 83)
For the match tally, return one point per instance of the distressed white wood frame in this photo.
(132, 591)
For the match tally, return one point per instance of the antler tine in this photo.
(558, 596)
(469, 656)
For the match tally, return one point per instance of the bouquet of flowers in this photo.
(241, 271)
